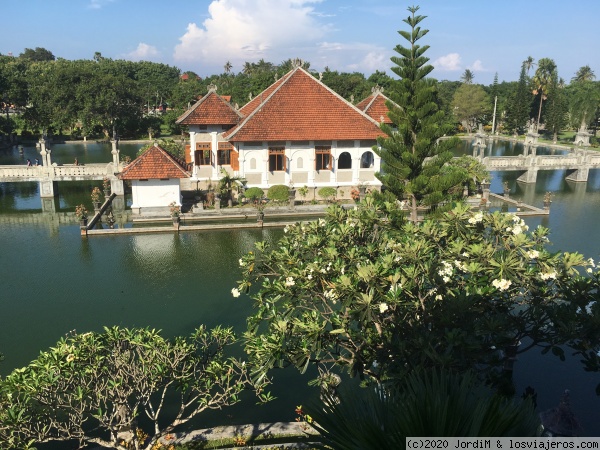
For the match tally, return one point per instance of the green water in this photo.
(53, 282)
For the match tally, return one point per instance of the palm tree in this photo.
(227, 183)
(584, 73)
(528, 63)
(247, 69)
(467, 77)
(227, 67)
(542, 80)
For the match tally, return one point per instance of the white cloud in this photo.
(449, 62)
(98, 4)
(247, 30)
(143, 52)
(353, 57)
(477, 66)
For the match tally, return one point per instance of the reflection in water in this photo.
(53, 282)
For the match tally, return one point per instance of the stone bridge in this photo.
(577, 164)
(49, 173)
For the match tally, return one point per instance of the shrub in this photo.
(278, 193)
(327, 193)
(254, 193)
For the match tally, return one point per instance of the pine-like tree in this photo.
(519, 104)
(412, 156)
(556, 106)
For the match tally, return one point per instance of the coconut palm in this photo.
(584, 73)
(528, 63)
(227, 67)
(542, 80)
(467, 77)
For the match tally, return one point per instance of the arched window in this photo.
(252, 164)
(345, 161)
(299, 163)
(367, 160)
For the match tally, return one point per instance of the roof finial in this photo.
(212, 88)
(375, 89)
(250, 96)
(320, 76)
(297, 62)
(351, 98)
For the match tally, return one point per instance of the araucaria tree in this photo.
(412, 158)
(111, 388)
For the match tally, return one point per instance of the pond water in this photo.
(53, 281)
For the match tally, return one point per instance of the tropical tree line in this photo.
(102, 97)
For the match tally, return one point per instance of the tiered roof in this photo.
(212, 109)
(374, 106)
(299, 107)
(155, 163)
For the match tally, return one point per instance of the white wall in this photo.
(155, 193)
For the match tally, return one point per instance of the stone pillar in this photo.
(530, 176)
(579, 174)
(117, 186)
(115, 156)
(46, 187)
(48, 205)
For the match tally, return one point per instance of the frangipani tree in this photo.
(111, 388)
(358, 291)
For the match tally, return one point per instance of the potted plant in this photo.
(106, 187)
(96, 197)
(81, 214)
(303, 191)
(175, 211)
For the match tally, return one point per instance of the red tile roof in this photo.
(299, 107)
(374, 106)
(211, 109)
(155, 163)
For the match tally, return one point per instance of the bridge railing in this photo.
(36, 173)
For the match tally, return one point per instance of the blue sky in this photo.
(485, 36)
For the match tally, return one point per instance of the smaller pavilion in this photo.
(155, 181)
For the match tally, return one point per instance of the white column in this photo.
(265, 169)
(192, 148)
(311, 171)
(214, 146)
(115, 156)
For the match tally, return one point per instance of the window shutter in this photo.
(235, 163)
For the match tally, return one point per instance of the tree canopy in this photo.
(363, 292)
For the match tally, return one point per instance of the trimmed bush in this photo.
(327, 193)
(254, 193)
(278, 193)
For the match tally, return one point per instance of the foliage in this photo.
(327, 193)
(228, 182)
(176, 149)
(470, 169)
(278, 193)
(411, 155)
(96, 194)
(37, 54)
(556, 106)
(80, 212)
(584, 103)
(254, 194)
(174, 209)
(470, 104)
(541, 81)
(379, 298)
(518, 105)
(94, 387)
(383, 417)
(303, 191)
